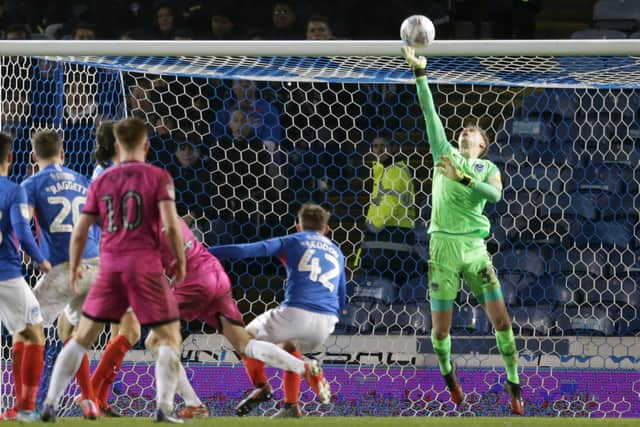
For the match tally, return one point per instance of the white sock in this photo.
(274, 356)
(65, 368)
(166, 378)
(185, 390)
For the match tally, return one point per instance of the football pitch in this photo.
(361, 421)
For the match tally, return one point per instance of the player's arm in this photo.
(77, 244)
(265, 248)
(435, 130)
(19, 214)
(173, 233)
(490, 190)
(342, 289)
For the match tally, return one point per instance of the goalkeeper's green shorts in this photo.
(453, 255)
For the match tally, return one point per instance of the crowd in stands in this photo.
(251, 19)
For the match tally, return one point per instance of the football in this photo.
(417, 31)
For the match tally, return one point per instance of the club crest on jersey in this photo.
(479, 167)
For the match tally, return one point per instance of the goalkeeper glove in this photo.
(417, 63)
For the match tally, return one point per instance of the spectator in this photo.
(513, 18)
(251, 188)
(223, 25)
(183, 34)
(283, 17)
(17, 32)
(387, 246)
(165, 22)
(83, 31)
(319, 28)
(192, 172)
(265, 117)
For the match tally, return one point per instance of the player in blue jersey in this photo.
(314, 295)
(56, 195)
(19, 309)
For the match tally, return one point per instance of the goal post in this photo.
(251, 130)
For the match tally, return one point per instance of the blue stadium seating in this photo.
(354, 319)
(585, 320)
(401, 319)
(532, 321)
(370, 288)
(415, 290)
(470, 320)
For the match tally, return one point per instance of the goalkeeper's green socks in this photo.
(442, 349)
(507, 346)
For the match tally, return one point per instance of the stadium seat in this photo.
(373, 289)
(354, 319)
(469, 320)
(526, 131)
(415, 290)
(614, 177)
(616, 15)
(609, 233)
(587, 259)
(584, 320)
(616, 290)
(576, 205)
(532, 321)
(543, 290)
(597, 33)
(402, 319)
(555, 103)
(522, 259)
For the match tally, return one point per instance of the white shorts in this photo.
(307, 330)
(54, 292)
(18, 306)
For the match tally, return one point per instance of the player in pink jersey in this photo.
(205, 294)
(129, 201)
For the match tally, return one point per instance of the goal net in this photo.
(248, 139)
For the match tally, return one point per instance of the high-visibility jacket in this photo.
(393, 197)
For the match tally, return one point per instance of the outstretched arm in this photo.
(435, 130)
(265, 248)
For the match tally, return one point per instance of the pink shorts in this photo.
(148, 294)
(206, 295)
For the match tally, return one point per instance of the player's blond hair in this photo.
(313, 217)
(130, 133)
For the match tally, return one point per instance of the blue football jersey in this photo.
(99, 170)
(14, 214)
(57, 194)
(316, 278)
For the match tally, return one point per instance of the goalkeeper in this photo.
(462, 184)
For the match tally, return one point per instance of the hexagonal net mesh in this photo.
(249, 140)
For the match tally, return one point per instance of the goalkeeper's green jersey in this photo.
(456, 208)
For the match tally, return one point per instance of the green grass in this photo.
(361, 421)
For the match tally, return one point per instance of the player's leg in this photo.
(126, 335)
(68, 363)
(20, 314)
(482, 279)
(32, 338)
(444, 283)
(167, 366)
(445, 260)
(194, 408)
(86, 400)
(291, 386)
(152, 301)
